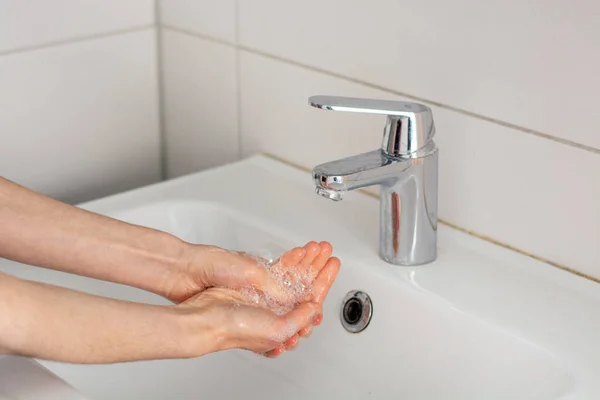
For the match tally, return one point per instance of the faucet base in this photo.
(408, 212)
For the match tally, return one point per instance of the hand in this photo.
(211, 266)
(318, 269)
(203, 267)
(234, 323)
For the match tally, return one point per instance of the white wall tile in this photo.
(214, 18)
(533, 63)
(200, 103)
(25, 23)
(532, 193)
(79, 121)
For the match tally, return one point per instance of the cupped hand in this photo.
(318, 268)
(204, 267)
(232, 322)
(209, 267)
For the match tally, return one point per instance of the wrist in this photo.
(198, 331)
(200, 263)
(176, 280)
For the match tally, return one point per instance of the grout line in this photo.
(78, 39)
(199, 35)
(238, 78)
(523, 252)
(454, 226)
(423, 100)
(162, 133)
(458, 110)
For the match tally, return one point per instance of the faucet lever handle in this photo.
(409, 126)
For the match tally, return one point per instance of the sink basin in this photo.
(481, 322)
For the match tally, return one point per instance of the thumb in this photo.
(300, 317)
(268, 280)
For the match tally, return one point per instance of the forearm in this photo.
(59, 324)
(41, 231)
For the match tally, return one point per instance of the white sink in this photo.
(481, 322)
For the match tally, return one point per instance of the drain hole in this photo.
(356, 311)
(352, 311)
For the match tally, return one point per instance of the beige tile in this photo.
(25, 23)
(532, 63)
(535, 194)
(200, 103)
(215, 18)
(80, 121)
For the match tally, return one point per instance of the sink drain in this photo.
(356, 311)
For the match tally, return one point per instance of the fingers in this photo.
(237, 270)
(292, 342)
(315, 262)
(312, 251)
(301, 316)
(317, 320)
(320, 260)
(288, 325)
(261, 278)
(276, 352)
(293, 257)
(325, 279)
(306, 331)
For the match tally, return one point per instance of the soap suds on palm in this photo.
(294, 284)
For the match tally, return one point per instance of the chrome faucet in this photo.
(406, 168)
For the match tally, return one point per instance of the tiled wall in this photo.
(78, 96)
(199, 85)
(513, 86)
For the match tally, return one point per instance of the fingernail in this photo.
(292, 345)
(315, 312)
(291, 342)
(304, 331)
(316, 320)
(276, 352)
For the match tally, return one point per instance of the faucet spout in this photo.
(359, 171)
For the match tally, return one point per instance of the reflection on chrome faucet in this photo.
(406, 168)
